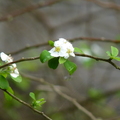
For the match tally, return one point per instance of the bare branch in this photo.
(20, 60)
(26, 104)
(106, 4)
(28, 9)
(72, 100)
(71, 40)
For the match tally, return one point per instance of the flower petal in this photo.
(5, 57)
(62, 48)
(14, 75)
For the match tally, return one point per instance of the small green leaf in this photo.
(41, 99)
(62, 60)
(40, 102)
(51, 43)
(108, 53)
(53, 63)
(3, 83)
(70, 66)
(114, 51)
(4, 73)
(116, 58)
(78, 50)
(32, 95)
(8, 97)
(34, 104)
(17, 79)
(45, 56)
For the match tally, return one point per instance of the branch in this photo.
(72, 100)
(82, 55)
(20, 60)
(71, 40)
(106, 4)
(100, 59)
(26, 104)
(28, 9)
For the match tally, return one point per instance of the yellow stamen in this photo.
(69, 51)
(57, 49)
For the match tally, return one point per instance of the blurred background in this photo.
(95, 84)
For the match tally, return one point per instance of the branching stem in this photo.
(26, 104)
(82, 55)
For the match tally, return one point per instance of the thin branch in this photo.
(72, 100)
(28, 9)
(26, 104)
(100, 59)
(84, 101)
(28, 47)
(20, 60)
(102, 39)
(82, 55)
(106, 4)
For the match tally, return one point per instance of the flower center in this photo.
(57, 49)
(69, 51)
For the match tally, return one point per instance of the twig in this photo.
(72, 100)
(106, 4)
(82, 55)
(100, 59)
(20, 60)
(28, 9)
(26, 104)
(71, 40)
(28, 47)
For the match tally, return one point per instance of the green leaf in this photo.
(116, 58)
(40, 102)
(3, 83)
(36, 103)
(45, 56)
(108, 53)
(53, 63)
(4, 73)
(8, 97)
(51, 43)
(114, 51)
(32, 95)
(17, 79)
(41, 99)
(78, 50)
(62, 60)
(70, 67)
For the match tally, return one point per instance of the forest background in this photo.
(93, 91)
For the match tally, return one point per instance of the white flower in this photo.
(13, 68)
(62, 48)
(6, 58)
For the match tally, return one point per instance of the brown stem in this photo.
(26, 104)
(28, 9)
(71, 40)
